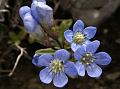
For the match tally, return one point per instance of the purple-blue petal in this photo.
(80, 68)
(60, 79)
(46, 14)
(75, 46)
(70, 69)
(68, 34)
(90, 32)
(34, 11)
(29, 22)
(23, 10)
(78, 26)
(46, 76)
(62, 54)
(79, 53)
(94, 70)
(35, 59)
(45, 59)
(86, 43)
(102, 58)
(92, 46)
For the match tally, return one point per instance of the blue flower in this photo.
(56, 67)
(79, 35)
(89, 60)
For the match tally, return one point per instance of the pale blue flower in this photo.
(88, 60)
(56, 68)
(79, 36)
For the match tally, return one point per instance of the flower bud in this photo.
(42, 13)
(23, 10)
(31, 25)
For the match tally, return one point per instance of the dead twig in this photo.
(22, 51)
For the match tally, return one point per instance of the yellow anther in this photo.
(57, 66)
(79, 38)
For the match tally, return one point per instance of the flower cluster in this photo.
(57, 66)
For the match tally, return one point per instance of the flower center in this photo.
(79, 38)
(57, 66)
(87, 59)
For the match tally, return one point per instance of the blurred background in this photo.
(104, 14)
